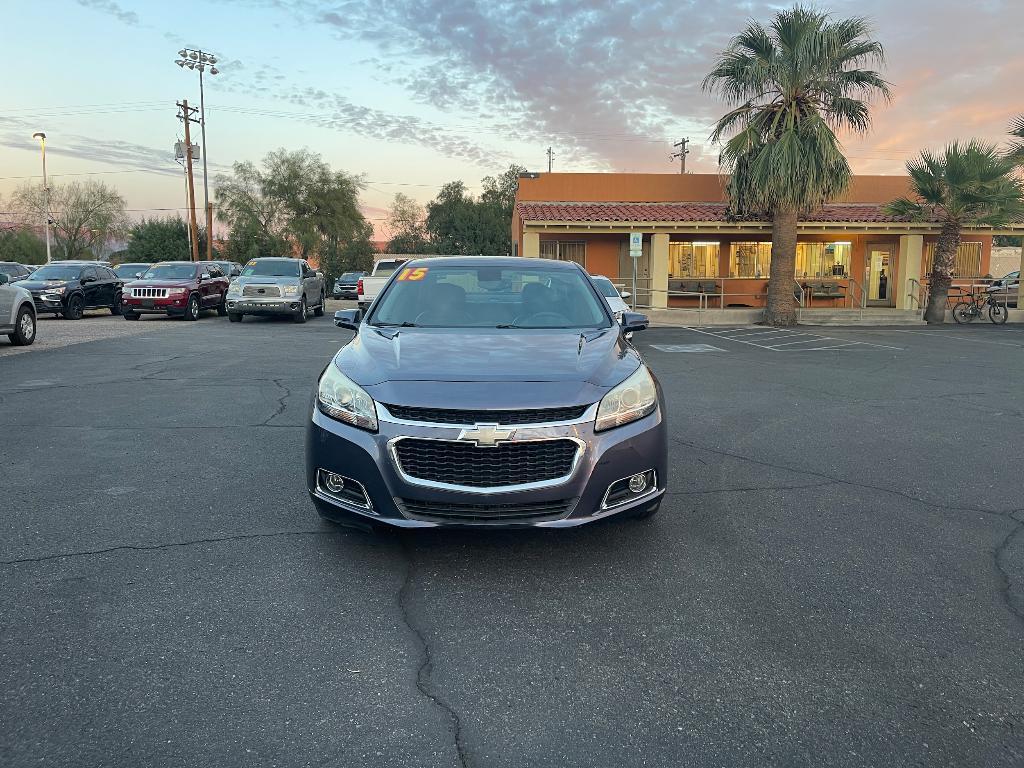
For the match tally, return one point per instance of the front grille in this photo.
(462, 463)
(149, 293)
(272, 291)
(506, 417)
(442, 512)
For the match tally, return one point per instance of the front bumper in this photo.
(48, 303)
(606, 457)
(346, 293)
(171, 305)
(246, 306)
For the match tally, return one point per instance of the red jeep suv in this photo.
(178, 288)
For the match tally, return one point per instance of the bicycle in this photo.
(966, 311)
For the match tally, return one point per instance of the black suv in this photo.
(69, 288)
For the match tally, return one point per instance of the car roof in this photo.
(190, 263)
(494, 261)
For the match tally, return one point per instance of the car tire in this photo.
(222, 308)
(318, 310)
(235, 317)
(74, 308)
(191, 309)
(300, 316)
(24, 328)
(115, 308)
(130, 315)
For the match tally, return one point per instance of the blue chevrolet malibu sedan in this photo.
(487, 391)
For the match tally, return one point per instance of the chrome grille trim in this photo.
(588, 416)
(149, 293)
(262, 291)
(486, 490)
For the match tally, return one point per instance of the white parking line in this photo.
(773, 340)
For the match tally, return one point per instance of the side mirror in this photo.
(204, 276)
(4, 278)
(88, 280)
(138, 275)
(347, 318)
(625, 295)
(634, 321)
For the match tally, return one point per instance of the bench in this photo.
(821, 289)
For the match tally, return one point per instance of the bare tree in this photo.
(84, 215)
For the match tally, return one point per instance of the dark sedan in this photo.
(346, 286)
(487, 391)
(69, 288)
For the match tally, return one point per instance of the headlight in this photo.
(633, 399)
(176, 291)
(234, 289)
(342, 399)
(289, 290)
(57, 289)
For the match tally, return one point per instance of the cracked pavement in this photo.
(836, 577)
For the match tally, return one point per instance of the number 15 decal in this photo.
(412, 274)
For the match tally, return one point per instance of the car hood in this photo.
(261, 280)
(482, 367)
(160, 283)
(39, 285)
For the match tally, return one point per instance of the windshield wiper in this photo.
(403, 324)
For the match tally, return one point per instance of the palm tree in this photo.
(1016, 149)
(792, 86)
(968, 184)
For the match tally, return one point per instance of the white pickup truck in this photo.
(370, 285)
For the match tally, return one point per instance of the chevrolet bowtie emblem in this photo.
(487, 435)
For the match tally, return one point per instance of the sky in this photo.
(411, 94)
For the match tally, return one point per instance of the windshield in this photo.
(385, 268)
(605, 286)
(351, 276)
(490, 297)
(129, 270)
(170, 272)
(224, 266)
(272, 268)
(57, 272)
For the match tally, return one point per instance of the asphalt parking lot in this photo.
(837, 578)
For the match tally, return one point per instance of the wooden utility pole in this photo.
(551, 157)
(186, 116)
(681, 154)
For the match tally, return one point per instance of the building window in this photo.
(564, 250)
(750, 259)
(823, 259)
(696, 259)
(967, 262)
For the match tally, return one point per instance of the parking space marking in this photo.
(686, 348)
(774, 340)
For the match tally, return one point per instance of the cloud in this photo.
(110, 7)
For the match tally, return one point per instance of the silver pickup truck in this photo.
(276, 286)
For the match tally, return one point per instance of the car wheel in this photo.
(318, 310)
(300, 316)
(130, 315)
(192, 308)
(115, 309)
(74, 308)
(235, 317)
(222, 308)
(24, 328)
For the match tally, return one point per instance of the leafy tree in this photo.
(1008, 241)
(792, 85)
(84, 215)
(1016, 150)
(968, 184)
(405, 226)
(355, 254)
(294, 205)
(458, 223)
(152, 240)
(22, 245)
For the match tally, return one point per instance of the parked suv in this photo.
(17, 313)
(69, 288)
(177, 288)
(14, 270)
(1005, 289)
(276, 286)
(346, 285)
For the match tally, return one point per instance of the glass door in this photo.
(879, 275)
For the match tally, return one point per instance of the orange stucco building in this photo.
(849, 252)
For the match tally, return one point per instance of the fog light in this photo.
(334, 483)
(638, 483)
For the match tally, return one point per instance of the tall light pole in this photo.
(46, 191)
(195, 59)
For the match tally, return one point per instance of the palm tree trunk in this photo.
(942, 273)
(781, 309)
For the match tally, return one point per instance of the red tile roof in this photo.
(642, 212)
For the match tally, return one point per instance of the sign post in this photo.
(636, 249)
